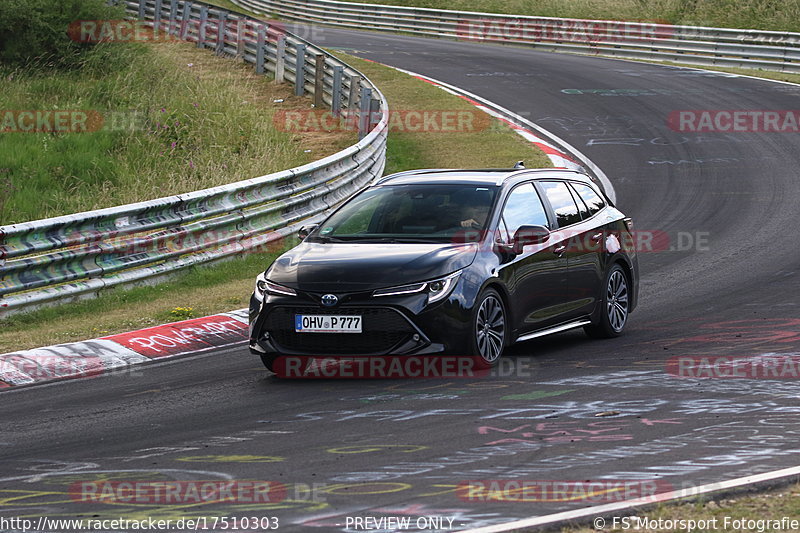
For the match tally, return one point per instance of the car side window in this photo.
(593, 200)
(584, 211)
(523, 208)
(562, 202)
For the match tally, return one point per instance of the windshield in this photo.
(411, 213)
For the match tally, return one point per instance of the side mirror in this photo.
(304, 231)
(526, 235)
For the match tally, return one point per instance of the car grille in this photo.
(381, 330)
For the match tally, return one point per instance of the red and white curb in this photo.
(96, 356)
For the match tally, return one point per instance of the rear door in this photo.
(577, 228)
(536, 278)
(588, 276)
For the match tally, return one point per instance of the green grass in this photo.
(486, 143)
(227, 4)
(189, 120)
(759, 14)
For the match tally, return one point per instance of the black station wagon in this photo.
(461, 262)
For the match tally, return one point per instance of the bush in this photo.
(35, 31)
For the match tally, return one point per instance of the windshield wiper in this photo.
(394, 240)
(324, 239)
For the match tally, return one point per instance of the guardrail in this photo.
(72, 256)
(695, 45)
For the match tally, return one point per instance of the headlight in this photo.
(264, 286)
(440, 288)
(436, 289)
(403, 289)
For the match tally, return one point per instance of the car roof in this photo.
(486, 176)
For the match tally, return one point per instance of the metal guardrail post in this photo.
(364, 112)
(280, 65)
(141, 10)
(157, 14)
(240, 26)
(186, 17)
(374, 113)
(352, 95)
(319, 81)
(300, 70)
(260, 42)
(173, 10)
(201, 30)
(222, 25)
(336, 95)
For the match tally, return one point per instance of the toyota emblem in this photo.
(329, 300)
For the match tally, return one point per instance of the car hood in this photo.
(353, 267)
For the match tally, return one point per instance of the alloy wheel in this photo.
(490, 329)
(617, 300)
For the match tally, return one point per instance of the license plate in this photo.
(327, 324)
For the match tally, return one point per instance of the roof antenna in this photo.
(519, 165)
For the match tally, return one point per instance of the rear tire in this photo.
(615, 306)
(489, 328)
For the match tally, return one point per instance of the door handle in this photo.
(597, 236)
(559, 250)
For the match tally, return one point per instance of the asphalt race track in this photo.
(722, 280)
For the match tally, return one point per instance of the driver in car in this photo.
(474, 215)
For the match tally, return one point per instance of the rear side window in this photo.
(584, 211)
(523, 208)
(561, 200)
(592, 200)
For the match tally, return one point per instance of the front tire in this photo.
(489, 327)
(615, 306)
(269, 361)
